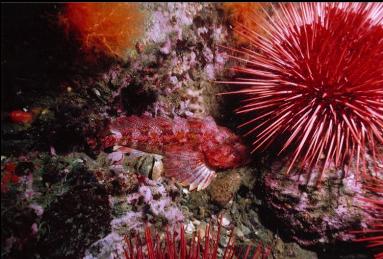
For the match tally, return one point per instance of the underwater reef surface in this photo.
(318, 216)
(106, 132)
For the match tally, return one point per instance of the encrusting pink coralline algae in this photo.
(192, 148)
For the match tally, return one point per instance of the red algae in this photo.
(192, 148)
(8, 176)
(21, 117)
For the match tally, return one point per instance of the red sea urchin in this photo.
(205, 247)
(316, 77)
(373, 235)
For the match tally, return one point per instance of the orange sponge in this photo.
(109, 28)
(248, 15)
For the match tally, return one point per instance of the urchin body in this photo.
(316, 77)
(373, 235)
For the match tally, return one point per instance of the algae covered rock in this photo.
(71, 221)
(315, 215)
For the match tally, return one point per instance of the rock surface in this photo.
(224, 187)
(311, 215)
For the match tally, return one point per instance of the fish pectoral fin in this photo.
(188, 168)
(206, 175)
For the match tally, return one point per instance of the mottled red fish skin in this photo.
(220, 147)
